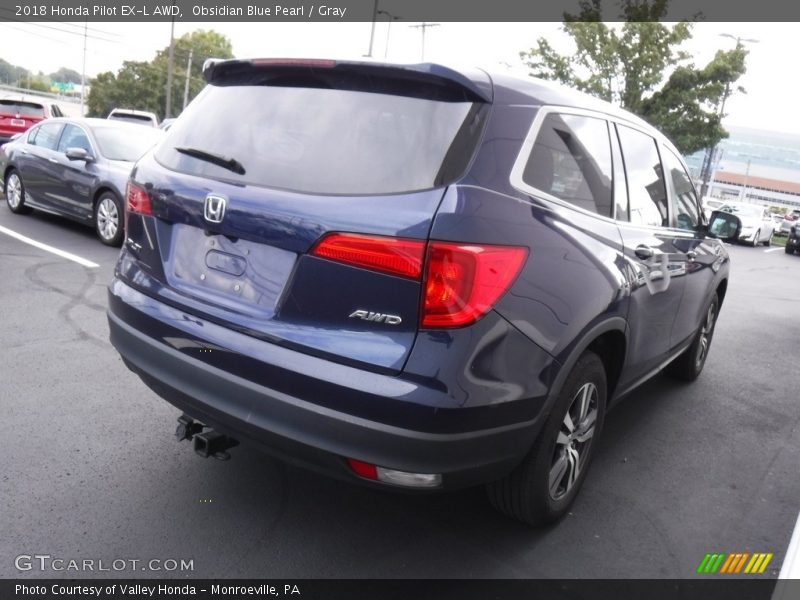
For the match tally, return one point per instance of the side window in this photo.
(47, 137)
(684, 200)
(646, 189)
(32, 135)
(74, 137)
(571, 160)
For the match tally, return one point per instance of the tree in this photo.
(142, 85)
(641, 67)
(202, 45)
(65, 75)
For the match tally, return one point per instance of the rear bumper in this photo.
(292, 427)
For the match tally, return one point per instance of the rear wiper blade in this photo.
(221, 161)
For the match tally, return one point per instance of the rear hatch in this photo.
(290, 199)
(17, 116)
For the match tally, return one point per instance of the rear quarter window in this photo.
(571, 160)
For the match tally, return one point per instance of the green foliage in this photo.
(641, 67)
(142, 85)
(66, 75)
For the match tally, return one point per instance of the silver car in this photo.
(757, 225)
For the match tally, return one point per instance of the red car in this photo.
(20, 113)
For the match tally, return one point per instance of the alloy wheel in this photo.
(705, 335)
(107, 218)
(573, 441)
(13, 190)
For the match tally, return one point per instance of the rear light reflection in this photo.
(391, 476)
(138, 200)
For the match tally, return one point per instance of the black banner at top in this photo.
(369, 10)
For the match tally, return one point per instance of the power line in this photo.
(62, 30)
(80, 27)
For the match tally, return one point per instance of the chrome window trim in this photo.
(516, 181)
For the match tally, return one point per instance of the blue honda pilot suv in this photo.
(412, 276)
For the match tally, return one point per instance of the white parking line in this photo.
(774, 249)
(46, 248)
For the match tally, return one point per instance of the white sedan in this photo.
(757, 224)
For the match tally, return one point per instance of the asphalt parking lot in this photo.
(92, 471)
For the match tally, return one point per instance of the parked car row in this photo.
(76, 168)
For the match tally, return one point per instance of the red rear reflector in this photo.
(138, 200)
(394, 256)
(294, 62)
(363, 469)
(462, 282)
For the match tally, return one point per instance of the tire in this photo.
(788, 249)
(689, 365)
(527, 494)
(108, 219)
(755, 238)
(14, 190)
(769, 239)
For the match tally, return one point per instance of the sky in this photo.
(770, 102)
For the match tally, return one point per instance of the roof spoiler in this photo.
(216, 69)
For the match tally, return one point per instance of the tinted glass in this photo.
(646, 190)
(125, 142)
(23, 109)
(139, 119)
(571, 159)
(684, 200)
(325, 141)
(47, 137)
(74, 137)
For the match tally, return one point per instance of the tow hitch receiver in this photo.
(206, 443)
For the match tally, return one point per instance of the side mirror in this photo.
(724, 226)
(79, 154)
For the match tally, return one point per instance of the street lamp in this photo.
(390, 18)
(705, 171)
(372, 31)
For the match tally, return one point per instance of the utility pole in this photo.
(168, 107)
(188, 76)
(705, 171)
(83, 72)
(423, 27)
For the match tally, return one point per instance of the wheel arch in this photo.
(609, 340)
(102, 189)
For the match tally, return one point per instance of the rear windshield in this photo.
(131, 118)
(128, 143)
(23, 109)
(325, 141)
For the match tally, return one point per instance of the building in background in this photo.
(762, 167)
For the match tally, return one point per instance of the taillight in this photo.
(394, 256)
(138, 199)
(463, 281)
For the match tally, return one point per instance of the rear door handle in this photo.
(644, 252)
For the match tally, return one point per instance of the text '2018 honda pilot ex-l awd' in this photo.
(412, 276)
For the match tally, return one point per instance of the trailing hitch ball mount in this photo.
(206, 443)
